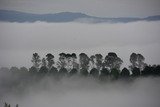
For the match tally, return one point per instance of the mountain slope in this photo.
(15, 16)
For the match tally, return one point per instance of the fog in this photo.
(78, 92)
(18, 41)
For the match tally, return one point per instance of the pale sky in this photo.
(105, 8)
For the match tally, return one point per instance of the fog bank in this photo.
(19, 40)
(79, 92)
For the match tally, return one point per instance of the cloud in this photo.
(19, 40)
(79, 92)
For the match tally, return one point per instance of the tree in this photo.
(53, 71)
(137, 60)
(74, 61)
(7, 105)
(14, 69)
(99, 59)
(113, 61)
(50, 60)
(63, 72)
(140, 60)
(114, 73)
(125, 72)
(133, 60)
(62, 61)
(94, 72)
(84, 60)
(104, 74)
(93, 61)
(23, 69)
(33, 69)
(148, 70)
(84, 72)
(136, 72)
(69, 62)
(36, 60)
(43, 70)
(157, 70)
(74, 71)
(44, 63)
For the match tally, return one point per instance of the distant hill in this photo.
(16, 16)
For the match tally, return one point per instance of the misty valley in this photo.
(72, 79)
(79, 53)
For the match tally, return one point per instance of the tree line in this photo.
(95, 66)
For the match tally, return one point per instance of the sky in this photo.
(102, 8)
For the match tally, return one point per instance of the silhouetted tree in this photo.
(43, 70)
(114, 73)
(135, 72)
(83, 72)
(23, 69)
(92, 61)
(69, 62)
(44, 63)
(141, 63)
(62, 61)
(99, 60)
(63, 72)
(157, 70)
(50, 60)
(125, 72)
(74, 61)
(14, 70)
(94, 72)
(133, 60)
(74, 71)
(137, 60)
(33, 69)
(7, 105)
(112, 61)
(53, 71)
(36, 60)
(148, 70)
(104, 74)
(84, 62)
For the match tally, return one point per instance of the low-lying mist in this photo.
(29, 91)
(18, 41)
